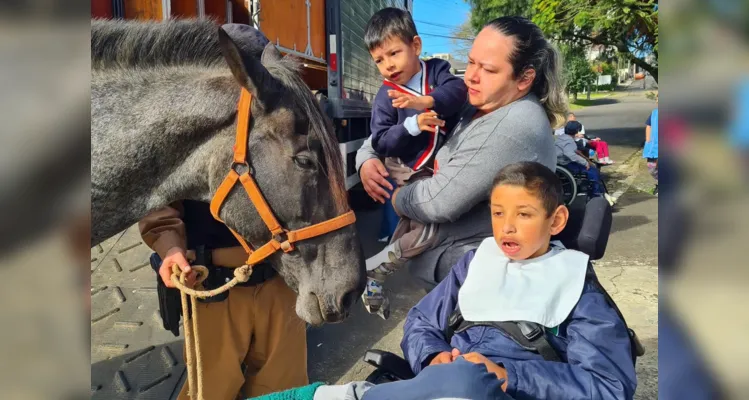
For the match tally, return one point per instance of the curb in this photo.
(629, 164)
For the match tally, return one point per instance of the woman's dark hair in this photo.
(533, 51)
(386, 23)
(535, 178)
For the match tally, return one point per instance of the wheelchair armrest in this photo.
(390, 363)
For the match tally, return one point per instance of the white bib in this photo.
(543, 290)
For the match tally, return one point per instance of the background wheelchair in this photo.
(587, 230)
(575, 186)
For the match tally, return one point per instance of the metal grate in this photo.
(361, 80)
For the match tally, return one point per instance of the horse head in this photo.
(294, 157)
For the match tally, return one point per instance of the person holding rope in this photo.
(251, 340)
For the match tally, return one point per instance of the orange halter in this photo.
(282, 239)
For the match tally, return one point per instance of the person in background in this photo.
(650, 151)
(589, 142)
(568, 157)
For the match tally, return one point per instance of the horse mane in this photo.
(318, 123)
(134, 44)
(147, 44)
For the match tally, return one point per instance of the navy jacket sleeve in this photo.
(450, 92)
(423, 332)
(599, 362)
(389, 137)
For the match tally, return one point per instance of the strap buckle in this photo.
(283, 239)
(530, 331)
(246, 168)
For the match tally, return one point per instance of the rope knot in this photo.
(243, 273)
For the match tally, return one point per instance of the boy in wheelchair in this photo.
(568, 157)
(521, 317)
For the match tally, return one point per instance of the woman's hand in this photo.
(478, 358)
(373, 174)
(403, 100)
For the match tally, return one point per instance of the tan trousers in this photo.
(258, 327)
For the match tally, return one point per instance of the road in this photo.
(133, 357)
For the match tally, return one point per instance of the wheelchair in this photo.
(575, 186)
(587, 231)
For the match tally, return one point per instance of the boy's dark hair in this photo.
(389, 22)
(535, 178)
(573, 128)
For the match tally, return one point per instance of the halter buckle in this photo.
(283, 239)
(245, 168)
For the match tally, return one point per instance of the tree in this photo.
(483, 11)
(630, 26)
(578, 74)
(462, 40)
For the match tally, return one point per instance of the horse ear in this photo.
(247, 70)
(270, 54)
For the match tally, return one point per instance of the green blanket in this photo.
(300, 393)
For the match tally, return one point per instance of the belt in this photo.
(220, 274)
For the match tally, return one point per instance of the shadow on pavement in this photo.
(595, 102)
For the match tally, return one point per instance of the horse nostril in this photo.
(349, 299)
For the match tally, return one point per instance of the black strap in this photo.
(529, 335)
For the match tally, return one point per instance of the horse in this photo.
(163, 119)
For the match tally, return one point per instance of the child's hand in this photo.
(442, 358)
(478, 358)
(445, 357)
(428, 120)
(404, 100)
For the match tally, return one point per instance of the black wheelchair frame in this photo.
(575, 185)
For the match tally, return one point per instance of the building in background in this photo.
(458, 67)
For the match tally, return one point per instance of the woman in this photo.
(515, 97)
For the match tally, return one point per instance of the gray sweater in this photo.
(567, 151)
(457, 195)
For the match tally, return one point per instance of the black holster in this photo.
(170, 307)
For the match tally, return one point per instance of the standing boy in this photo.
(417, 105)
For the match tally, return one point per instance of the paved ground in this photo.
(133, 357)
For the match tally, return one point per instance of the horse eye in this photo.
(304, 162)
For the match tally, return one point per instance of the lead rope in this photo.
(193, 356)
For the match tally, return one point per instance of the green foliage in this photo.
(604, 68)
(631, 26)
(578, 74)
(483, 11)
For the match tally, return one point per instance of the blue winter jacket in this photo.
(593, 341)
(391, 139)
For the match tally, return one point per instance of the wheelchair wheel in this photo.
(569, 185)
(379, 376)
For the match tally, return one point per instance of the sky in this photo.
(438, 17)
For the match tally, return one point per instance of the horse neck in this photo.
(159, 148)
